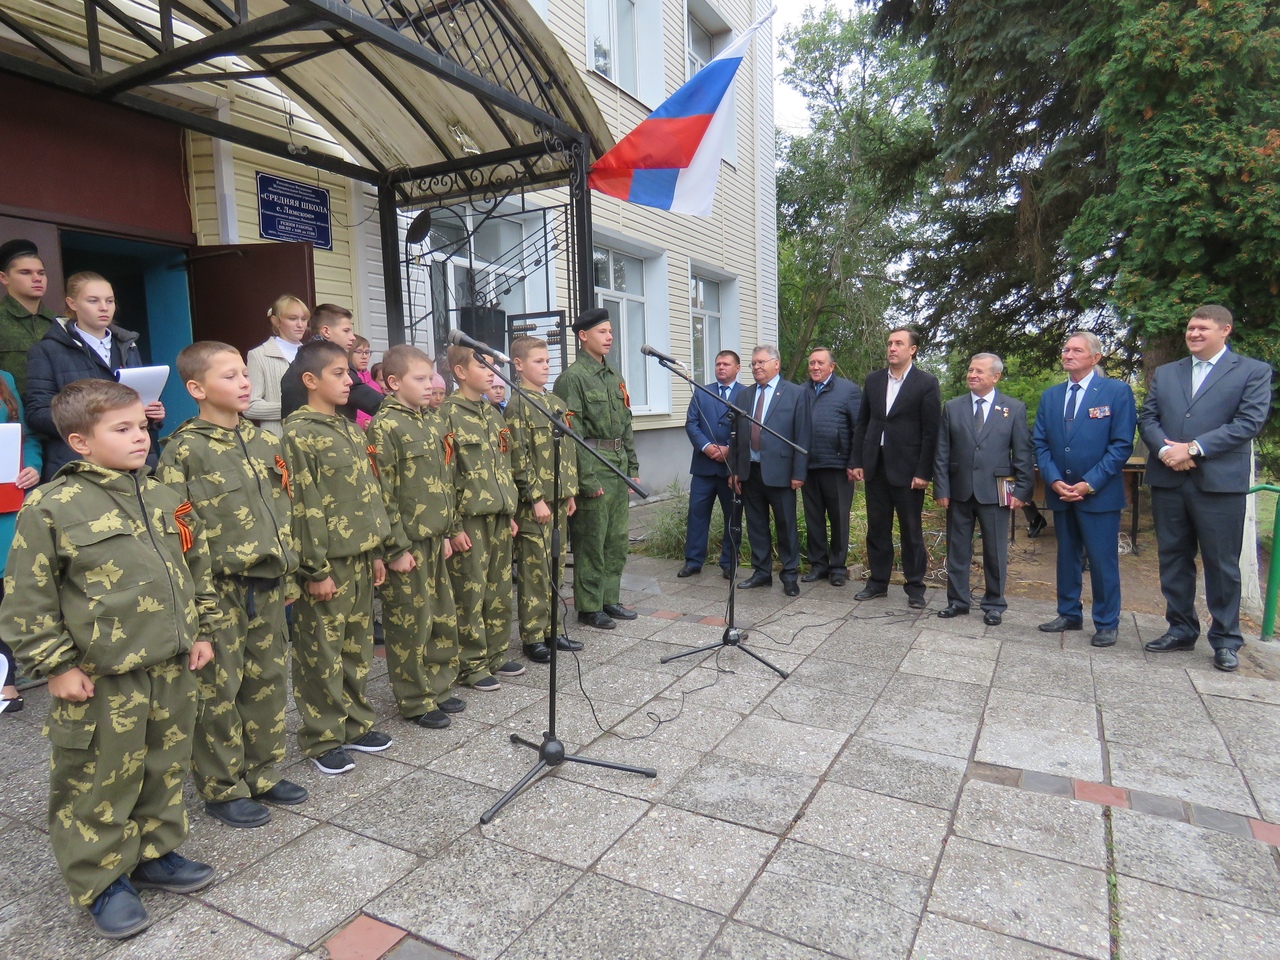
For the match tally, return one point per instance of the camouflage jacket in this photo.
(532, 453)
(337, 503)
(238, 484)
(597, 397)
(482, 442)
(19, 332)
(415, 468)
(109, 572)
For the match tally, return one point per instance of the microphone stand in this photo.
(551, 752)
(732, 637)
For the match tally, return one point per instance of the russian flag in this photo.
(672, 159)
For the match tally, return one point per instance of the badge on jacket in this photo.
(1097, 413)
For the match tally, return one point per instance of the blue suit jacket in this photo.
(708, 422)
(1093, 447)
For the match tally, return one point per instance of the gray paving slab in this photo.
(491, 760)
(921, 728)
(957, 645)
(1038, 823)
(620, 684)
(729, 681)
(444, 808)
(229, 850)
(1176, 735)
(223, 937)
(579, 721)
(1196, 781)
(850, 679)
(1044, 672)
(941, 938)
(649, 654)
(783, 745)
(798, 703)
(1022, 709)
(746, 793)
(29, 862)
(1251, 689)
(43, 925)
(1046, 751)
(946, 666)
(683, 720)
(1157, 923)
(330, 795)
(928, 778)
(947, 696)
(868, 650)
(670, 761)
(737, 941)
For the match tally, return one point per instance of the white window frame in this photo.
(638, 369)
(704, 359)
(611, 68)
(730, 316)
(700, 15)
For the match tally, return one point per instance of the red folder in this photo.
(10, 497)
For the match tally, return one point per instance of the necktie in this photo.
(1071, 404)
(1200, 374)
(977, 415)
(724, 392)
(817, 392)
(759, 414)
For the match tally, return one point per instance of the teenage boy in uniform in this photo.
(235, 478)
(415, 471)
(533, 468)
(108, 596)
(483, 527)
(340, 526)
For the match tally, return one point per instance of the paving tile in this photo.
(1156, 805)
(312, 884)
(1196, 781)
(578, 721)
(625, 685)
(28, 862)
(488, 709)
(783, 745)
(979, 648)
(1008, 708)
(1035, 748)
(43, 925)
(1175, 735)
(1101, 793)
(943, 939)
(1157, 923)
(364, 938)
(864, 650)
(737, 941)
(410, 949)
(945, 696)
(443, 808)
(746, 793)
(799, 703)
(1048, 826)
(1055, 904)
(1196, 860)
(691, 858)
(1235, 687)
(945, 666)
(850, 679)
(671, 762)
(602, 919)
(490, 759)
(928, 778)
(920, 728)
(476, 897)
(1047, 673)
(893, 833)
(1048, 783)
(650, 654)
(729, 682)
(994, 773)
(330, 795)
(1220, 820)
(1265, 832)
(685, 721)
(220, 937)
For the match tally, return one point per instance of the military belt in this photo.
(604, 444)
(252, 584)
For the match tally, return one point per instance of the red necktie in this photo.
(759, 415)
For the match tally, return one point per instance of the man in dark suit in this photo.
(983, 444)
(828, 489)
(1198, 420)
(893, 448)
(768, 472)
(707, 425)
(1082, 438)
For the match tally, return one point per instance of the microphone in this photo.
(460, 339)
(648, 351)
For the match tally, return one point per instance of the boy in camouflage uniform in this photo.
(235, 477)
(480, 567)
(340, 526)
(533, 468)
(108, 596)
(415, 470)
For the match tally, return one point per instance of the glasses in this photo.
(363, 353)
(762, 363)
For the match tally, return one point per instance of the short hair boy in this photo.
(484, 525)
(235, 478)
(332, 323)
(415, 470)
(108, 596)
(533, 467)
(340, 526)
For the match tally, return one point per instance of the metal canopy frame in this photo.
(488, 60)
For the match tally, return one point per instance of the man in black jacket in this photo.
(330, 322)
(828, 490)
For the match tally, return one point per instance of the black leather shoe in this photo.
(570, 646)
(838, 579)
(619, 612)
(117, 912)
(1058, 624)
(791, 588)
(952, 610)
(1225, 659)
(432, 720)
(726, 573)
(1036, 526)
(1104, 638)
(1169, 643)
(755, 581)
(992, 618)
(286, 793)
(813, 576)
(596, 618)
(537, 652)
(916, 603)
(866, 593)
(689, 570)
(452, 705)
(240, 812)
(172, 872)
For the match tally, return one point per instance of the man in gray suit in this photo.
(983, 440)
(1200, 415)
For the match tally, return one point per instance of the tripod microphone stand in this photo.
(551, 752)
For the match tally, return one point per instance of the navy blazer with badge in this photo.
(708, 422)
(1094, 447)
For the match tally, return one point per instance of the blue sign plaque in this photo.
(288, 210)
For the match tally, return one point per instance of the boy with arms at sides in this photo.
(480, 567)
(533, 468)
(108, 596)
(234, 475)
(340, 526)
(415, 471)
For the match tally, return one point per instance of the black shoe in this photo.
(1169, 643)
(378, 635)
(619, 612)
(537, 652)
(756, 580)
(286, 793)
(371, 742)
(564, 643)
(487, 685)
(791, 588)
(117, 912)
(838, 579)
(452, 705)
(813, 576)
(596, 618)
(512, 668)
(15, 704)
(867, 593)
(1058, 624)
(992, 618)
(172, 872)
(1036, 526)
(335, 761)
(433, 720)
(1104, 638)
(241, 812)
(688, 570)
(916, 603)
(726, 573)
(1225, 659)
(952, 610)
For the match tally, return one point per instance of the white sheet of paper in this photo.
(148, 381)
(10, 451)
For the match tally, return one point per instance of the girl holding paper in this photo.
(84, 345)
(267, 362)
(28, 475)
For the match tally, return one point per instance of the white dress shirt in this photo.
(892, 388)
(101, 347)
(1084, 388)
(986, 403)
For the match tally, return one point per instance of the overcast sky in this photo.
(789, 111)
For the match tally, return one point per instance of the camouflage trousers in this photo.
(481, 580)
(116, 772)
(421, 626)
(533, 568)
(332, 653)
(239, 742)
(599, 528)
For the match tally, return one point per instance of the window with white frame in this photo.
(704, 309)
(699, 47)
(620, 289)
(706, 34)
(611, 41)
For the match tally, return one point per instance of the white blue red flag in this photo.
(672, 159)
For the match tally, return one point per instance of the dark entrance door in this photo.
(233, 287)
